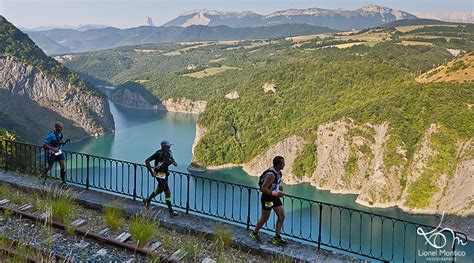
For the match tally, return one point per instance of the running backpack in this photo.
(262, 177)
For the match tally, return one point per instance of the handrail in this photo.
(318, 222)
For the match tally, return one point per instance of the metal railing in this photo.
(371, 236)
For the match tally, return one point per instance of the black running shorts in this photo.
(270, 201)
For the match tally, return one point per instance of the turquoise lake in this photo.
(139, 132)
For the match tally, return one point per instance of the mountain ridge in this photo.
(339, 19)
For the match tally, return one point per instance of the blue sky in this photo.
(120, 13)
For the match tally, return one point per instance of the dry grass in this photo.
(415, 43)
(405, 29)
(308, 37)
(209, 72)
(195, 45)
(459, 70)
(347, 45)
(217, 60)
(172, 53)
(222, 238)
(367, 36)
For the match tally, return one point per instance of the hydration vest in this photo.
(59, 139)
(162, 163)
(276, 182)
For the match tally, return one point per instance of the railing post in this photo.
(248, 209)
(320, 224)
(187, 196)
(134, 182)
(87, 172)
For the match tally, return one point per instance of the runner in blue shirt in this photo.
(52, 144)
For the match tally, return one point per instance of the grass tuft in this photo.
(222, 238)
(61, 203)
(114, 216)
(142, 229)
(192, 247)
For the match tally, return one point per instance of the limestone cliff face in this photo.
(200, 131)
(358, 159)
(87, 108)
(129, 98)
(351, 159)
(289, 148)
(459, 192)
(137, 99)
(184, 105)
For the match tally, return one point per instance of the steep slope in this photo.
(37, 90)
(365, 17)
(459, 70)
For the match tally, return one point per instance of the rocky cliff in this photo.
(86, 108)
(138, 97)
(184, 105)
(129, 98)
(364, 159)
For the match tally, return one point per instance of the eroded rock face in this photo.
(288, 148)
(353, 158)
(129, 98)
(86, 107)
(134, 99)
(232, 95)
(269, 87)
(184, 105)
(200, 131)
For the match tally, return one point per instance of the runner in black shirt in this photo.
(271, 189)
(162, 158)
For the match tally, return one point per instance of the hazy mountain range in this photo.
(462, 17)
(339, 19)
(78, 28)
(61, 41)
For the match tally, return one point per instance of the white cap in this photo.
(166, 143)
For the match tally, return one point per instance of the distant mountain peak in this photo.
(375, 8)
(383, 10)
(149, 21)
